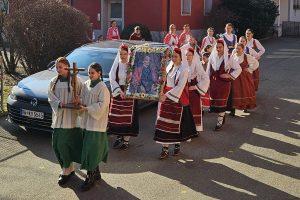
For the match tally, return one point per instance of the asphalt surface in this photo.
(256, 156)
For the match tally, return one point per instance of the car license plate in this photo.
(32, 114)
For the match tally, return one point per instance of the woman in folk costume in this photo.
(136, 35)
(123, 115)
(207, 49)
(222, 72)
(229, 38)
(175, 121)
(205, 99)
(198, 81)
(185, 36)
(243, 97)
(247, 50)
(95, 98)
(191, 44)
(66, 138)
(171, 39)
(209, 39)
(113, 31)
(256, 45)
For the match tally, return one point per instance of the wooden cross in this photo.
(73, 73)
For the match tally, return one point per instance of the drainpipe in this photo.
(289, 11)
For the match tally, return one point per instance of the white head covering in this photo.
(118, 57)
(214, 56)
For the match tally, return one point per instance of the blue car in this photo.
(28, 101)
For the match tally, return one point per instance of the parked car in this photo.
(28, 101)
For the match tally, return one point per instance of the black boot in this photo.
(176, 150)
(220, 123)
(118, 142)
(63, 179)
(232, 112)
(97, 174)
(89, 182)
(125, 145)
(164, 152)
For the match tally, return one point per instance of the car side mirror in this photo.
(51, 64)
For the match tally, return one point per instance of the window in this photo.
(296, 5)
(116, 10)
(186, 7)
(207, 7)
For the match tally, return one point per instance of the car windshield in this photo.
(84, 57)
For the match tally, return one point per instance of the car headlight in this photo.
(12, 95)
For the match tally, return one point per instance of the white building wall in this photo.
(294, 13)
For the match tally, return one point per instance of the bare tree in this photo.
(44, 30)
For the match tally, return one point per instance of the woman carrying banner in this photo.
(175, 121)
(123, 115)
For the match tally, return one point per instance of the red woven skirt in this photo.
(196, 108)
(123, 117)
(219, 93)
(255, 76)
(243, 95)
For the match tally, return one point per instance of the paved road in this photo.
(255, 157)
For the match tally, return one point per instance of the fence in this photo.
(291, 29)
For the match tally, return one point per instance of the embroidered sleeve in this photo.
(235, 69)
(260, 48)
(175, 93)
(115, 87)
(253, 63)
(203, 80)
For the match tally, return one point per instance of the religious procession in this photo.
(210, 76)
(162, 99)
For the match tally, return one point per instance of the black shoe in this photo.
(118, 143)
(89, 182)
(97, 174)
(63, 179)
(125, 146)
(176, 150)
(232, 113)
(219, 126)
(164, 153)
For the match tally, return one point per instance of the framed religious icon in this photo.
(146, 72)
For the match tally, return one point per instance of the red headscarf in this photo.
(221, 41)
(191, 50)
(124, 47)
(178, 51)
